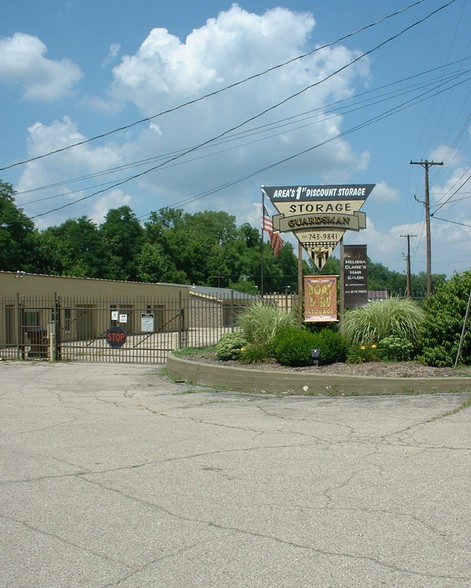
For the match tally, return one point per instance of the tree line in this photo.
(205, 248)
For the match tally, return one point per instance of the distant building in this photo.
(374, 295)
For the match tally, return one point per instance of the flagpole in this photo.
(261, 246)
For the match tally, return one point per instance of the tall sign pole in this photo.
(300, 285)
(426, 165)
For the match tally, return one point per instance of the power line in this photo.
(455, 192)
(243, 123)
(229, 86)
(231, 183)
(362, 125)
(264, 129)
(446, 220)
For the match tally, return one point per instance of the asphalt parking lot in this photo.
(112, 475)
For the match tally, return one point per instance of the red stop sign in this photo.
(116, 337)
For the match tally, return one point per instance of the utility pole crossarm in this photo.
(426, 165)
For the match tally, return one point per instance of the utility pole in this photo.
(426, 164)
(409, 276)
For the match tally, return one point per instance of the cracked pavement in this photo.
(111, 475)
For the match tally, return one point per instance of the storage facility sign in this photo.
(320, 299)
(319, 215)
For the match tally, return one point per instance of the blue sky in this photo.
(387, 89)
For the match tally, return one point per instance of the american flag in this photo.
(275, 238)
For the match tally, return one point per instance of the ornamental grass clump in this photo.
(398, 317)
(260, 323)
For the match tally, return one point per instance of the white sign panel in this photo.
(147, 323)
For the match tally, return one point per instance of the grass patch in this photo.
(195, 351)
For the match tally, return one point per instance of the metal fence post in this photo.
(19, 350)
(232, 310)
(181, 321)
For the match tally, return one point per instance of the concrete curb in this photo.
(221, 377)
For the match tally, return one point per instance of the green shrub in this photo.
(332, 345)
(394, 348)
(261, 322)
(439, 356)
(440, 332)
(229, 346)
(400, 317)
(292, 346)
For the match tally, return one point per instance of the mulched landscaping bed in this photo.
(409, 369)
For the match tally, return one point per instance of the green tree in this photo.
(419, 283)
(17, 234)
(153, 266)
(74, 248)
(123, 236)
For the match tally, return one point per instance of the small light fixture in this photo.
(315, 353)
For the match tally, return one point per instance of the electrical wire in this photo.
(225, 88)
(265, 111)
(346, 107)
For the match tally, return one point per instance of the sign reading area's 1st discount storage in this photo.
(319, 215)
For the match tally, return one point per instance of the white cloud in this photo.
(384, 193)
(113, 53)
(22, 62)
(228, 48)
(81, 164)
(113, 199)
(448, 155)
(166, 72)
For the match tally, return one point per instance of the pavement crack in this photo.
(280, 540)
(56, 537)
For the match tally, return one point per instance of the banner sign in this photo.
(320, 299)
(355, 276)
